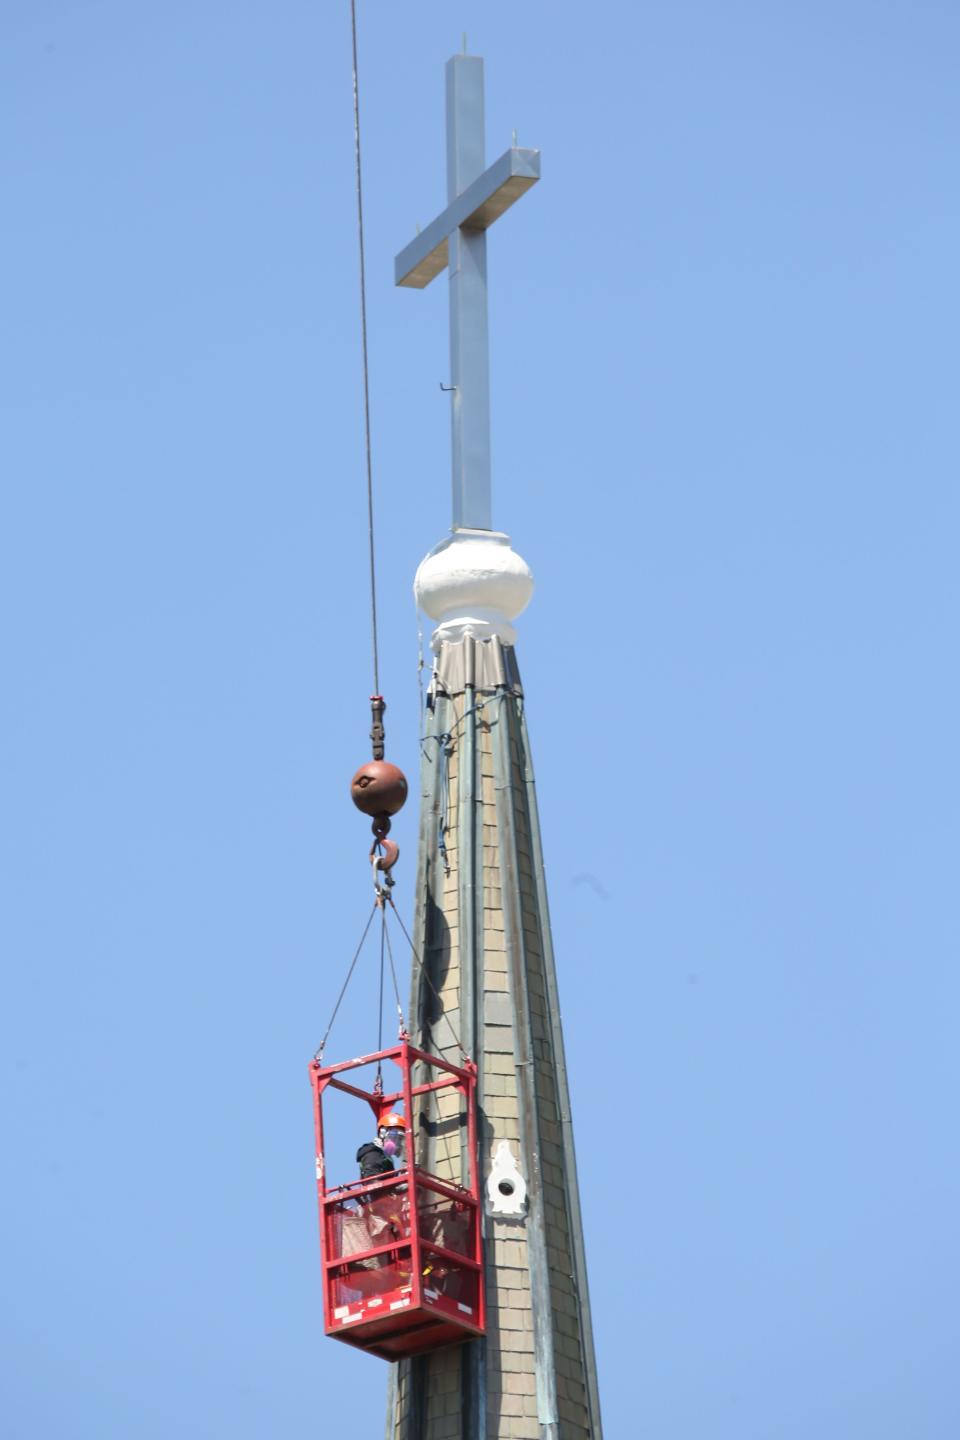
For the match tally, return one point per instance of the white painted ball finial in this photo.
(473, 583)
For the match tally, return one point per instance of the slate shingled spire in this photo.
(483, 928)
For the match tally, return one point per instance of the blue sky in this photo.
(724, 347)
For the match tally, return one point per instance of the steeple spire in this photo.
(482, 925)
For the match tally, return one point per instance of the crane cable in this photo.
(426, 976)
(383, 896)
(383, 899)
(385, 944)
(363, 337)
(318, 1053)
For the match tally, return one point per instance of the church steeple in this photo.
(482, 924)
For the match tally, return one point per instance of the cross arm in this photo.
(481, 203)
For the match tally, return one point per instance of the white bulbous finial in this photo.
(473, 583)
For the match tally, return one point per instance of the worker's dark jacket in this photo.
(372, 1161)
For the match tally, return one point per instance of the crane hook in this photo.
(388, 856)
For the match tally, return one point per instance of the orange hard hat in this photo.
(392, 1120)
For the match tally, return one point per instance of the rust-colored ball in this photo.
(379, 788)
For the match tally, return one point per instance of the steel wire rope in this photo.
(393, 972)
(363, 337)
(443, 758)
(318, 1053)
(444, 736)
(426, 975)
(444, 739)
(432, 1098)
(383, 936)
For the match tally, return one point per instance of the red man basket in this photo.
(392, 1284)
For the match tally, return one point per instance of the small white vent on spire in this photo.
(506, 1187)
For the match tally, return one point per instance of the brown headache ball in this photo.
(379, 788)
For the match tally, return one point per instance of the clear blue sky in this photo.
(724, 334)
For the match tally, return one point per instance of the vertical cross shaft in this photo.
(469, 338)
(458, 237)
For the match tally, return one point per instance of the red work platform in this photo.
(390, 1287)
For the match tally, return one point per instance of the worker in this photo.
(377, 1157)
(392, 1134)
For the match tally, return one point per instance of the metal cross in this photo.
(458, 238)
